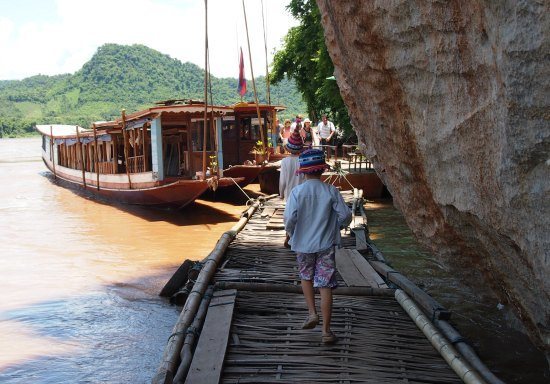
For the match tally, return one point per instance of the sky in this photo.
(52, 37)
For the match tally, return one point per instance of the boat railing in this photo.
(106, 167)
(136, 164)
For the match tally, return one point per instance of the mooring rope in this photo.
(249, 199)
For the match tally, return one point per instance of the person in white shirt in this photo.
(314, 213)
(326, 130)
(288, 178)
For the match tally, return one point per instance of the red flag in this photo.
(242, 81)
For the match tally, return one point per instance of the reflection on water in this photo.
(492, 331)
(80, 278)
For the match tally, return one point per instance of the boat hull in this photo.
(174, 193)
(246, 173)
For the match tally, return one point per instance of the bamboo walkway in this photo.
(254, 308)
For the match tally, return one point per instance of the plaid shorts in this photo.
(319, 267)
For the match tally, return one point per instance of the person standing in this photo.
(309, 134)
(314, 213)
(275, 133)
(288, 178)
(326, 130)
(285, 132)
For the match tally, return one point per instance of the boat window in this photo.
(198, 135)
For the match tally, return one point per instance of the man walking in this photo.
(326, 130)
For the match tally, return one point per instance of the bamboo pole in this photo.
(287, 288)
(186, 354)
(96, 156)
(253, 81)
(51, 152)
(443, 325)
(266, 65)
(168, 367)
(428, 303)
(79, 145)
(124, 138)
(443, 346)
(205, 125)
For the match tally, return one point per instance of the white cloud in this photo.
(176, 28)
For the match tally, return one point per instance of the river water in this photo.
(79, 280)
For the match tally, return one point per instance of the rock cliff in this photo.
(450, 100)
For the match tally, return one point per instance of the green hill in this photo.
(120, 77)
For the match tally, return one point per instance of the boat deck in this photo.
(253, 335)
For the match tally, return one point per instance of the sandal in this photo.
(329, 338)
(311, 322)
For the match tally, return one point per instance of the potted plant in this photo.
(261, 152)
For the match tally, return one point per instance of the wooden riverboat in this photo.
(240, 134)
(151, 157)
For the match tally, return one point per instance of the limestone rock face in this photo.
(450, 99)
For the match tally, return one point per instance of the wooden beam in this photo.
(207, 363)
(348, 270)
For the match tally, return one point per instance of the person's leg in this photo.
(306, 264)
(326, 308)
(309, 295)
(325, 279)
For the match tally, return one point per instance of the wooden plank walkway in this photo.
(378, 342)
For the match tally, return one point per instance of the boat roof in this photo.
(60, 130)
(252, 106)
(195, 108)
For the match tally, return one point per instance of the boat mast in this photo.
(205, 125)
(253, 81)
(267, 81)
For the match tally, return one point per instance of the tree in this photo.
(304, 58)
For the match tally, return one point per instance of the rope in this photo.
(242, 190)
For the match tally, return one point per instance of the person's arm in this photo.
(341, 208)
(332, 129)
(291, 214)
(282, 180)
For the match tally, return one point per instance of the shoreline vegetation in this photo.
(121, 77)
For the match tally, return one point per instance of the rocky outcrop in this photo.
(450, 100)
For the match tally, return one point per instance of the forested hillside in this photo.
(120, 77)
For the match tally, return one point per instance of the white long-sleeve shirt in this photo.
(314, 213)
(288, 178)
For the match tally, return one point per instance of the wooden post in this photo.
(144, 133)
(79, 145)
(96, 156)
(205, 125)
(124, 136)
(51, 152)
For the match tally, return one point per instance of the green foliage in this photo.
(305, 59)
(121, 77)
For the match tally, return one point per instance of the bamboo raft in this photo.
(241, 322)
